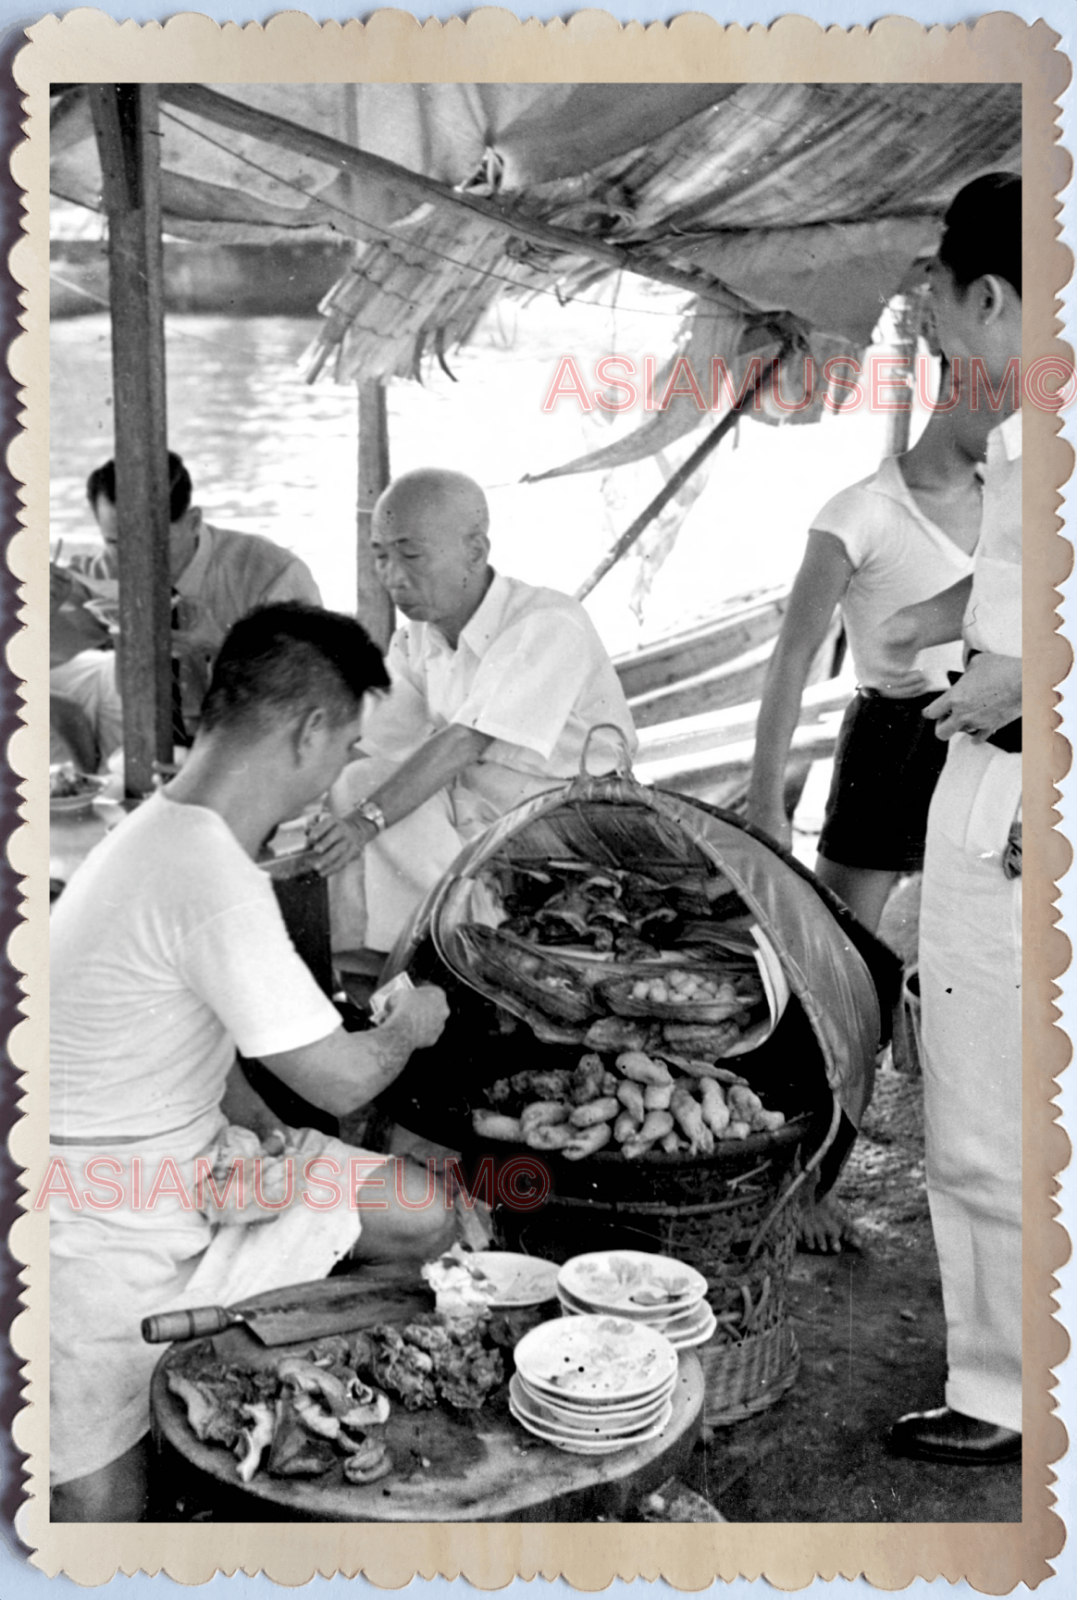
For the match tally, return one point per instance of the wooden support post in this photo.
(899, 423)
(373, 607)
(125, 117)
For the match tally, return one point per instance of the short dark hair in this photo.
(282, 661)
(983, 231)
(102, 483)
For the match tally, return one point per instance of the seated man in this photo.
(169, 954)
(495, 687)
(217, 577)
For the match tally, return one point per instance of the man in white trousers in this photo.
(970, 928)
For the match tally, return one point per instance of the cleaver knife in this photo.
(288, 1316)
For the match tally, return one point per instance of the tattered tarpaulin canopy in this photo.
(802, 202)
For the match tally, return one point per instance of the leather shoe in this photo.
(950, 1436)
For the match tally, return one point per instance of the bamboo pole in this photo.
(125, 117)
(670, 488)
(373, 607)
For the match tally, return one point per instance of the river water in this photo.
(271, 454)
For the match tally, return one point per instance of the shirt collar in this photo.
(193, 575)
(480, 631)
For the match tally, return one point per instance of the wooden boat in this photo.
(695, 697)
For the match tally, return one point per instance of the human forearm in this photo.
(441, 759)
(779, 713)
(820, 584)
(338, 840)
(936, 620)
(345, 1071)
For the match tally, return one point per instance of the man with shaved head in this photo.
(495, 686)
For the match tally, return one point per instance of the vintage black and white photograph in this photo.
(535, 802)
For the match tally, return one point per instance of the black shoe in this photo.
(946, 1435)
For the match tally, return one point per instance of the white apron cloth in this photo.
(970, 977)
(111, 1268)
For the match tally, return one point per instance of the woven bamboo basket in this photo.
(728, 1214)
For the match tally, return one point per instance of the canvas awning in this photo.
(805, 202)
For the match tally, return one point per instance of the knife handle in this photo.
(171, 1326)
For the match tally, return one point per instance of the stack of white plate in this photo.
(594, 1384)
(664, 1294)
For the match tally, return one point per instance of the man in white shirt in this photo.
(970, 928)
(495, 688)
(169, 954)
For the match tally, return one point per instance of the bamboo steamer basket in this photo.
(731, 1214)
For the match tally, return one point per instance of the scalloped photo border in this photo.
(494, 46)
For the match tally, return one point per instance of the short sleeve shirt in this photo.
(899, 557)
(529, 670)
(168, 953)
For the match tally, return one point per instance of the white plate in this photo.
(700, 1335)
(576, 1422)
(595, 1359)
(574, 1409)
(683, 1333)
(72, 805)
(595, 1447)
(515, 1280)
(624, 1281)
(652, 1319)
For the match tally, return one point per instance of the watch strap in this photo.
(372, 812)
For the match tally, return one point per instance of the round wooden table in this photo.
(478, 1467)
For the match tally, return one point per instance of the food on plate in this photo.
(66, 782)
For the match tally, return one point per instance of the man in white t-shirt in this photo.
(169, 955)
(495, 688)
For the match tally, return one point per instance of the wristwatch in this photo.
(372, 812)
